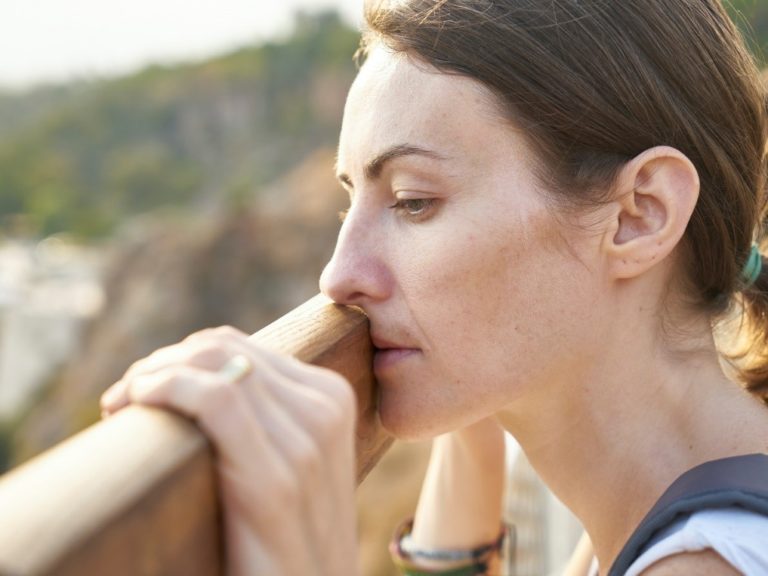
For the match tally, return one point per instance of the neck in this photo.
(618, 434)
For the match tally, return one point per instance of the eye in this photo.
(414, 208)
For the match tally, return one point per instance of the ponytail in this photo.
(750, 356)
(749, 342)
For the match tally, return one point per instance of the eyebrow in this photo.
(374, 168)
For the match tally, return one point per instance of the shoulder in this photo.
(704, 562)
(735, 525)
(722, 541)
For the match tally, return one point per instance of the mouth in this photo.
(388, 354)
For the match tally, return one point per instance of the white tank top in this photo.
(739, 536)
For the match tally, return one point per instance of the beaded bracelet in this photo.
(474, 562)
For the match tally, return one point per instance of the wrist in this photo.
(461, 501)
(414, 560)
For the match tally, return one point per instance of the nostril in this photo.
(340, 284)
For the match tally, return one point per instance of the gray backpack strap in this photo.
(740, 481)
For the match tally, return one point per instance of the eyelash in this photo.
(405, 207)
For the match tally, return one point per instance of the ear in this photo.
(656, 194)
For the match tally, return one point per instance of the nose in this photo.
(357, 273)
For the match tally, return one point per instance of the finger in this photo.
(242, 431)
(114, 398)
(216, 340)
(216, 404)
(272, 371)
(236, 368)
(195, 351)
(222, 408)
(285, 485)
(309, 464)
(328, 422)
(254, 439)
(327, 382)
(266, 393)
(179, 387)
(210, 355)
(234, 339)
(326, 412)
(305, 427)
(324, 379)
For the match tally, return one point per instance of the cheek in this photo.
(456, 300)
(491, 306)
(488, 300)
(475, 282)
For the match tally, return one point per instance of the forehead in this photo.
(397, 99)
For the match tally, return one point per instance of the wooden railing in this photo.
(136, 494)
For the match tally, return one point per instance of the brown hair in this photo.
(595, 83)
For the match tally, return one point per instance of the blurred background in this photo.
(167, 166)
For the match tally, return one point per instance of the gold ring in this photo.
(236, 368)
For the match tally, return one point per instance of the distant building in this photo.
(47, 293)
(546, 532)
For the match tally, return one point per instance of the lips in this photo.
(388, 353)
(383, 344)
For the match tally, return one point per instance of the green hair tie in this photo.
(753, 267)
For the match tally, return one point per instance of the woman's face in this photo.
(476, 292)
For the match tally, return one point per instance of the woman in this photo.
(552, 205)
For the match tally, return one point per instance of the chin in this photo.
(406, 421)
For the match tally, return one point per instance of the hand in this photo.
(284, 437)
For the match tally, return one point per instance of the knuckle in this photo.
(285, 489)
(141, 388)
(343, 394)
(206, 355)
(216, 404)
(113, 395)
(307, 458)
(137, 365)
(278, 493)
(333, 424)
(337, 385)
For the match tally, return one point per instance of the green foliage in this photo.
(82, 160)
(752, 18)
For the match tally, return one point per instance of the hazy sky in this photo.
(48, 40)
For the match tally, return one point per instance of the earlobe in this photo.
(656, 194)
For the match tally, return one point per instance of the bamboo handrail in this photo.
(136, 494)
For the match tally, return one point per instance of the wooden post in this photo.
(136, 494)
